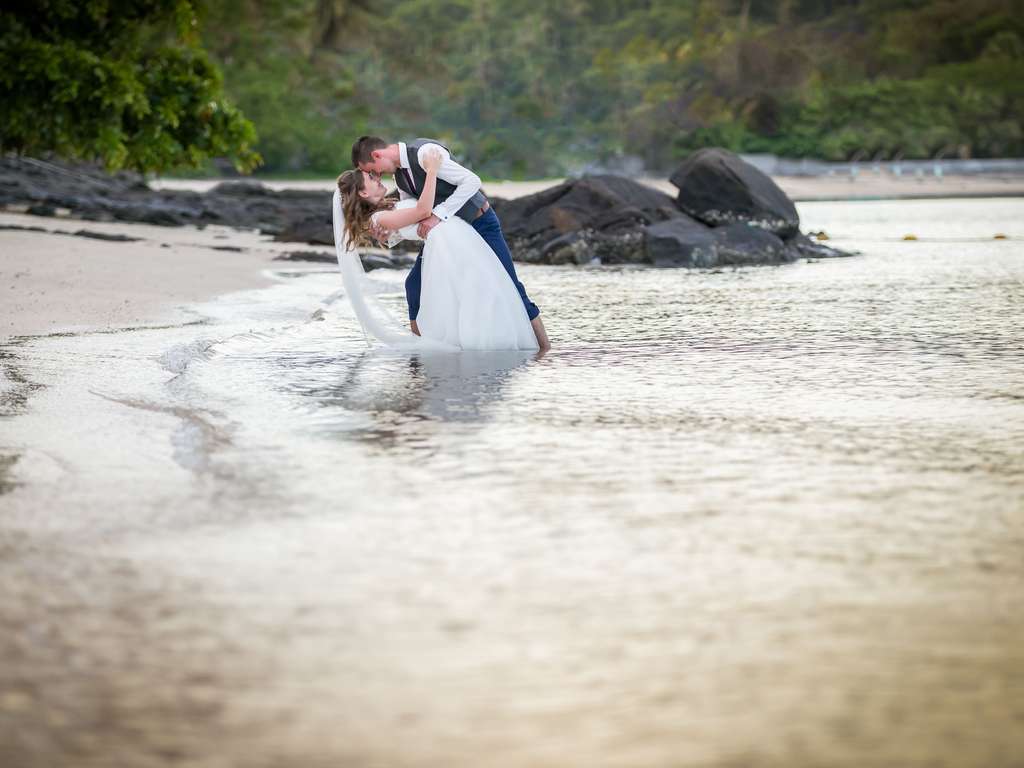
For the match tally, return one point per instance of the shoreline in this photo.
(56, 277)
(801, 189)
(62, 282)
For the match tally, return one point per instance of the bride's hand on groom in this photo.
(432, 160)
(426, 225)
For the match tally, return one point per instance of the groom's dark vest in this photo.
(444, 189)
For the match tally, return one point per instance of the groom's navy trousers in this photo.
(489, 229)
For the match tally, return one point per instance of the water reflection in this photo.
(396, 396)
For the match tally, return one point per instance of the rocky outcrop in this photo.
(689, 243)
(595, 217)
(726, 213)
(86, 192)
(681, 242)
(719, 188)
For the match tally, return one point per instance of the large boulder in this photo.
(742, 245)
(718, 188)
(613, 220)
(581, 219)
(681, 242)
(687, 242)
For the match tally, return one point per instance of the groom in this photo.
(458, 193)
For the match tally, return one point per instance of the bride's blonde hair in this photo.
(357, 209)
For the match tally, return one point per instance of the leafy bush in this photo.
(115, 80)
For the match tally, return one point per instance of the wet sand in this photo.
(62, 282)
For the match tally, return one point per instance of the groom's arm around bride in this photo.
(458, 194)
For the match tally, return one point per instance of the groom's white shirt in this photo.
(466, 182)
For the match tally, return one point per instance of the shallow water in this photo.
(764, 516)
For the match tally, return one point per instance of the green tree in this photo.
(121, 81)
(289, 67)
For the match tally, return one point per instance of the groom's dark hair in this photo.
(364, 146)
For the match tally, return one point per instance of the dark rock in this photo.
(105, 236)
(317, 229)
(23, 229)
(313, 256)
(744, 245)
(42, 209)
(582, 219)
(571, 248)
(690, 243)
(717, 187)
(163, 217)
(804, 247)
(373, 261)
(603, 203)
(400, 260)
(90, 193)
(78, 233)
(595, 219)
(588, 247)
(681, 242)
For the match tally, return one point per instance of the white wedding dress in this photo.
(467, 299)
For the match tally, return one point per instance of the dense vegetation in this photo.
(122, 81)
(532, 87)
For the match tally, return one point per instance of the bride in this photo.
(468, 300)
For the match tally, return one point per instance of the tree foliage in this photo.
(288, 65)
(122, 81)
(518, 87)
(529, 87)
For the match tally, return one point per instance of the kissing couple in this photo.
(463, 292)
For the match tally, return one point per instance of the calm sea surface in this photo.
(763, 516)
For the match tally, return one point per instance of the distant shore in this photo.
(867, 185)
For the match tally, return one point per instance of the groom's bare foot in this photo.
(542, 335)
(415, 328)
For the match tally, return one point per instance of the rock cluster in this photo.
(86, 192)
(725, 213)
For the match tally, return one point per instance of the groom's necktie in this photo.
(409, 181)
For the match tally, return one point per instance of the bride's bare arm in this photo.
(403, 217)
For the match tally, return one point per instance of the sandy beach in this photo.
(63, 282)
